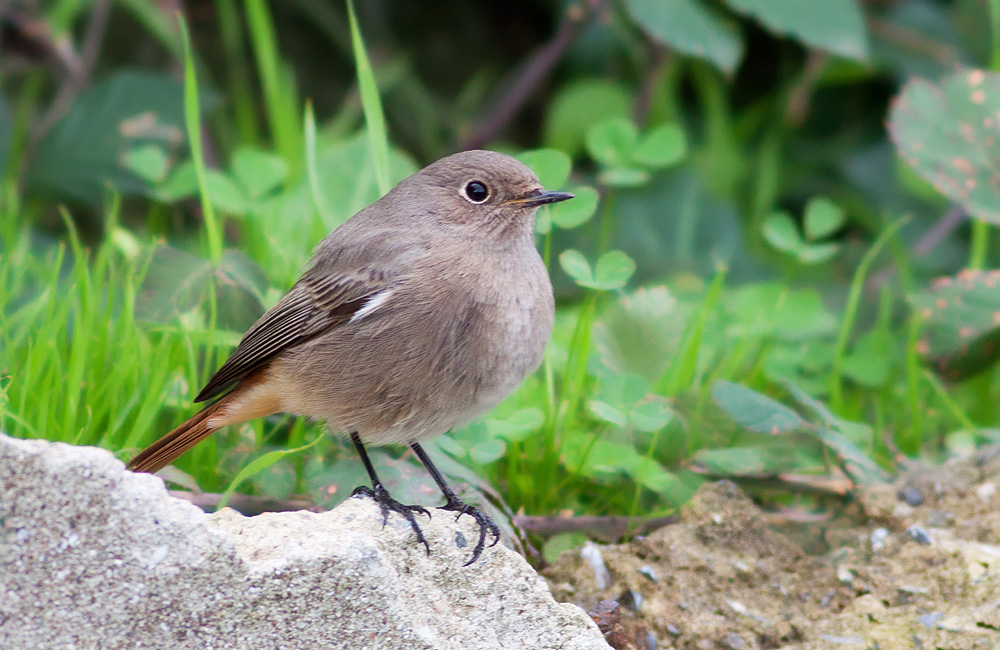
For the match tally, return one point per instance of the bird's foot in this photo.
(387, 504)
(455, 504)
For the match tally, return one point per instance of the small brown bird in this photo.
(420, 313)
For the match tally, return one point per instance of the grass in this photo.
(596, 430)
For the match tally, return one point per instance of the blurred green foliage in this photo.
(744, 279)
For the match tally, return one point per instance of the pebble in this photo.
(844, 574)
(648, 572)
(879, 535)
(591, 554)
(919, 535)
(930, 620)
(733, 641)
(853, 640)
(631, 599)
(912, 496)
(986, 491)
(673, 630)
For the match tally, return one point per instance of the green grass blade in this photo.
(259, 465)
(192, 121)
(282, 113)
(317, 193)
(371, 104)
(835, 385)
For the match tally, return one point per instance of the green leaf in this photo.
(607, 413)
(240, 285)
(652, 415)
(180, 184)
(603, 460)
(811, 403)
(817, 253)
(580, 104)
(175, 283)
(837, 26)
(623, 177)
(346, 178)
(178, 282)
(613, 270)
(556, 544)
(623, 390)
(948, 133)
(960, 333)
(576, 267)
(612, 141)
(690, 27)
(148, 161)
(662, 147)
(578, 211)
(794, 315)
(6, 135)
(823, 217)
(260, 464)
(780, 231)
(518, 425)
(870, 361)
(551, 166)
(258, 172)
(487, 451)
(224, 194)
(754, 411)
(88, 146)
(640, 333)
(651, 475)
(735, 461)
(277, 481)
(330, 487)
(855, 462)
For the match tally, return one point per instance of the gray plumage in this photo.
(417, 315)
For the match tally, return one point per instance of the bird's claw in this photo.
(387, 504)
(485, 524)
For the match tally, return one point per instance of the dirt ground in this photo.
(919, 567)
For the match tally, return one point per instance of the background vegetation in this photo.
(767, 191)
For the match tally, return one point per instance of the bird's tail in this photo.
(163, 452)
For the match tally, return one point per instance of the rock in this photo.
(911, 495)
(93, 556)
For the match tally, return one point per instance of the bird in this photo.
(414, 317)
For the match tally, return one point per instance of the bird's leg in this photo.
(385, 501)
(453, 503)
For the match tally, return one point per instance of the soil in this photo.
(918, 568)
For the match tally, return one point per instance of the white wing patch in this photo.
(372, 304)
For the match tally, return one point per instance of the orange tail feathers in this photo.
(165, 450)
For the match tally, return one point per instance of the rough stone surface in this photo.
(93, 556)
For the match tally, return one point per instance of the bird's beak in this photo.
(540, 197)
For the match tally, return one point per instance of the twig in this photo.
(644, 97)
(78, 66)
(246, 505)
(576, 16)
(607, 529)
(801, 93)
(943, 227)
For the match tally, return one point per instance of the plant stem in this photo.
(192, 121)
(851, 310)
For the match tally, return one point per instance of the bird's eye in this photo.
(477, 192)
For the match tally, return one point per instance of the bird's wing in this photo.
(315, 304)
